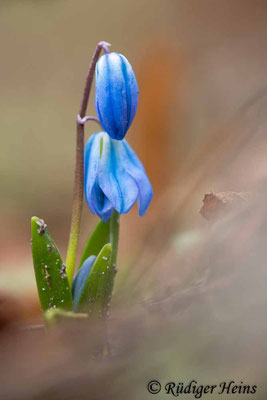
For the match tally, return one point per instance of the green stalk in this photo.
(78, 178)
(114, 236)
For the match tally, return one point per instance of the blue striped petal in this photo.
(106, 174)
(80, 280)
(114, 177)
(116, 183)
(91, 161)
(134, 168)
(116, 94)
(96, 200)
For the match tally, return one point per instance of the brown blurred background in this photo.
(201, 66)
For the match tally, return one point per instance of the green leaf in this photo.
(51, 278)
(98, 238)
(96, 295)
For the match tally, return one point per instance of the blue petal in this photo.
(127, 184)
(106, 174)
(80, 280)
(114, 177)
(132, 89)
(91, 161)
(103, 206)
(116, 95)
(134, 168)
(118, 186)
(95, 198)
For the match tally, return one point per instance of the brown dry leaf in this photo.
(216, 205)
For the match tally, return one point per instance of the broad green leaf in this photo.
(51, 278)
(98, 238)
(96, 295)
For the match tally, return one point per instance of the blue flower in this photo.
(116, 94)
(114, 177)
(80, 280)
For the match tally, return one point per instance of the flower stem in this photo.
(83, 120)
(114, 236)
(78, 177)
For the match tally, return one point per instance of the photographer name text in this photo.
(198, 390)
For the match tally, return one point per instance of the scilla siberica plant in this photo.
(113, 179)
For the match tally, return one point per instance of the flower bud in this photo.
(116, 94)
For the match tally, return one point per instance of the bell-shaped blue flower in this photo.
(116, 94)
(114, 177)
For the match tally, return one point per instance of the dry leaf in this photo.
(217, 204)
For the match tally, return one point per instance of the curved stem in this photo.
(82, 121)
(78, 178)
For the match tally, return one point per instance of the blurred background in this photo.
(192, 292)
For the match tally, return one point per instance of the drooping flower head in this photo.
(114, 177)
(116, 94)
